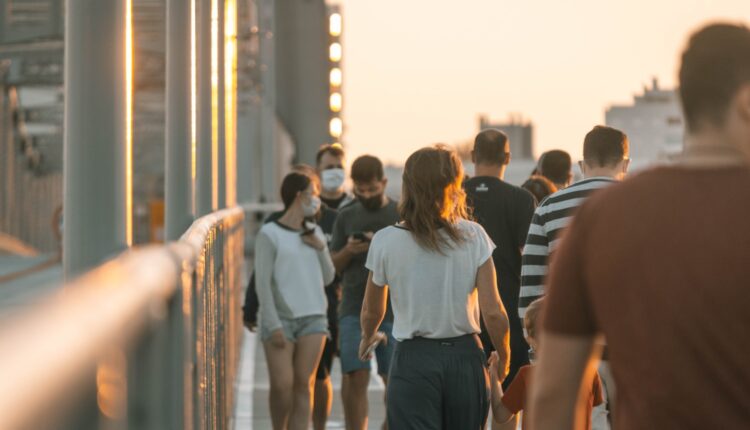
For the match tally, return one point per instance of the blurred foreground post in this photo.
(97, 166)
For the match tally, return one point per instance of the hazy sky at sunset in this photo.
(420, 71)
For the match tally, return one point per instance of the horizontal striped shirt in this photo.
(550, 218)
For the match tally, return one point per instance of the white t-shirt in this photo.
(433, 294)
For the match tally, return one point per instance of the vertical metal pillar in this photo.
(249, 165)
(97, 176)
(301, 35)
(179, 189)
(269, 151)
(231, 19)
(221, 106)
(247, 138)
(204, 185)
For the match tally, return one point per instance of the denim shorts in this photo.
(350, 335)
(298, 327)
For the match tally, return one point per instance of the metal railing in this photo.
(148, 340)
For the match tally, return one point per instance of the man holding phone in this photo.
(354, 227)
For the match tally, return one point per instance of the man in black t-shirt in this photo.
(505, 212)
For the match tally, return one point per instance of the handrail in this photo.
(262, 207)
(148, 340)
(50, 349)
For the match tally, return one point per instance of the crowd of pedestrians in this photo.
(598, 304)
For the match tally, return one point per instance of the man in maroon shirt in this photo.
(660, 265)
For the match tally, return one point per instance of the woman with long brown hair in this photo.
(437, 267)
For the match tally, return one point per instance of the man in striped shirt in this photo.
(605, 160)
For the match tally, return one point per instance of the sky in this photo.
(418, 72)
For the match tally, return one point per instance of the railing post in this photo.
(221, 106)
(269, 151)
(97, 154)
(177, 361)
(149, 386)
(179, 189)
(231, 94)
(204, 180)
(247, 138)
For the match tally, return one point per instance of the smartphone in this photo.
(360, 236)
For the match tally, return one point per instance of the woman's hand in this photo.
(277, 339)
(365, 353)
(312, 240)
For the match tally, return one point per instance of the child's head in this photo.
(530, 321)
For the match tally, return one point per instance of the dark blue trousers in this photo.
(438, 384)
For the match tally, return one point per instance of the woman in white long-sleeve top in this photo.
(292, 266)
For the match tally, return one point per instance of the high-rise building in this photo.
(653, 123)
(520, 134)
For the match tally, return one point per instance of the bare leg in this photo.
(322, 403)
(307, 354)
(280, 371)
(354, 394)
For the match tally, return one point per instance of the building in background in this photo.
(284, 107)
(520, 133)
(654, 125)
(31, 116)
(31, 45)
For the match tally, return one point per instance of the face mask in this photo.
(332, 179)
(311, 208)
(371, 203)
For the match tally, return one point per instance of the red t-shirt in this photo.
(660, 264)
(514, 397)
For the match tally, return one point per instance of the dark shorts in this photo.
(438, 384)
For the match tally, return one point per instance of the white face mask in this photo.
(332, 179)
(311, 207)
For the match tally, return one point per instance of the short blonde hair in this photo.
(531, 318)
